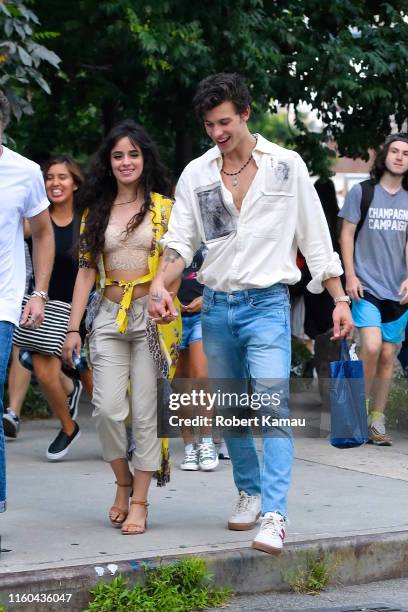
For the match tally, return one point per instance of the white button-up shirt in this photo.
(255, 247)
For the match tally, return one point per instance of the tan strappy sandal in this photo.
(124, 512)
(143, 529)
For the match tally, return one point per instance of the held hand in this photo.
(404, 292)
(33, 313)
(343, 325)
(194, 306)
(161, 308)
(354, 288)
(72, 344)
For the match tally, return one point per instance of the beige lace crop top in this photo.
(129, 253)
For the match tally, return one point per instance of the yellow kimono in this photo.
(163, 340)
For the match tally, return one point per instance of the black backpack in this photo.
(367, 195)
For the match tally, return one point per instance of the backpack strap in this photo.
(367, 195)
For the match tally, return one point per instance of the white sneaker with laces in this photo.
(207, 456)
(190, 463)
(271, 536)
(376, 432)
(246, 513)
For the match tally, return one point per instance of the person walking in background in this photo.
(19, 377)
(192, 364)
(22, 195)
(62, 180)
(374, 250)
(318, 320)
(126, 210)
(252, 203)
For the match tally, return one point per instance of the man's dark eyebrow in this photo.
(222, 119)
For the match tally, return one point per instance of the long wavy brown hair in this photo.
(100, 187)
(378, 168)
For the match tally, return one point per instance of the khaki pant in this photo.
(117, 359)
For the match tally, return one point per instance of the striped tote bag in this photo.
(49, 338)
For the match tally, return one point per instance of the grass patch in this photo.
(314, 577)
(180, 587)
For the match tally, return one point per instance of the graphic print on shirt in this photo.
(217, 220)
(280, 176)
(387, 219)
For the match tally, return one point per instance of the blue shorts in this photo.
(366, 314)
(191, 327)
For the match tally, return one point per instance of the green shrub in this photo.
(179, 587)
(300, 357)
(35, 406)
(397, 405)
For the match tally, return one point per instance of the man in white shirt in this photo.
(252, 203)
(22, 195)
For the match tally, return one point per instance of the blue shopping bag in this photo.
(347, 401)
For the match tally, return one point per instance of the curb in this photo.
(356, 560)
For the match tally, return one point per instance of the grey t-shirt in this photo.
(379, 253)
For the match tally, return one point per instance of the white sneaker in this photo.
(271, 535)
(190, 462)
(207, 456)
(246, 513)
(377, 434)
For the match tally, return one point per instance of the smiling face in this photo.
(396, 161)
(126, 162)
(60, 184)
(225, 126)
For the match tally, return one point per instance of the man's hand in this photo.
(354, 288)
(404, 292)
(161, 308)
(194, 306)
(33, 313)
(343, 325)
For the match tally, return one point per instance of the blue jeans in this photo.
(6, 334)
(246, 336)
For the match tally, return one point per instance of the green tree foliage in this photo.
(347, 59)
(22, 54)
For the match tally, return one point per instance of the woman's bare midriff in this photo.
(115, 294)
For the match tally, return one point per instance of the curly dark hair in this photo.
(378, 168)
(72, 167)
(222, 87)
(100, 187)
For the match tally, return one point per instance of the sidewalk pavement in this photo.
(56, 526)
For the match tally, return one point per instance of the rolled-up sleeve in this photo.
(312, 234)
(183, 233)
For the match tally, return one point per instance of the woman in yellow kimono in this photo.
(126, 211)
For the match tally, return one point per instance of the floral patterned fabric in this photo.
(163, 340)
